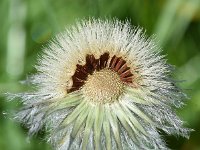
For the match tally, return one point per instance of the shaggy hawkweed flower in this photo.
(103, 85)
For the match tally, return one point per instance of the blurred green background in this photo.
(27, 25)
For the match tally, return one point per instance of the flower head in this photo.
(103, 85)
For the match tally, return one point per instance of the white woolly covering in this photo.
(132, 122)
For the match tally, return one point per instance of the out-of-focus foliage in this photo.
(27, 25)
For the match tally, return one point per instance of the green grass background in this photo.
(27, 25)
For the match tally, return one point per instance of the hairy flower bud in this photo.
(103, 85)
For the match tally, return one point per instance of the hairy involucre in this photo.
(129, 118)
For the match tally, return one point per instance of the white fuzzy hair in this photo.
(130, 123)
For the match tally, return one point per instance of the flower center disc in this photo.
(103, 86)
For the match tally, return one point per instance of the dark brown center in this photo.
(117, 64)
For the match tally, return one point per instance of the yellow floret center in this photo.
(103, 86)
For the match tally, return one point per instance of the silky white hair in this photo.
(133, 121)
